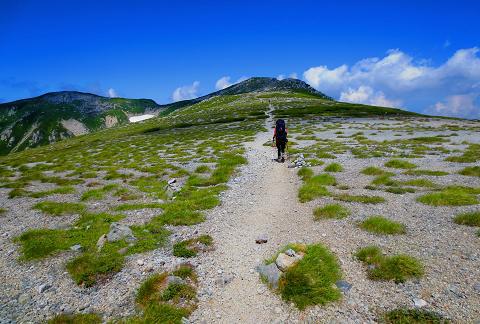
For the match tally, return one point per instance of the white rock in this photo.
(284, 261)
(140, 262)
(419, 303)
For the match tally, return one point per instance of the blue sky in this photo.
(421, 55)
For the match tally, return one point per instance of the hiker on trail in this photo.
(280, 139)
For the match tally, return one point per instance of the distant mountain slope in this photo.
(255, 84)
(57, 115)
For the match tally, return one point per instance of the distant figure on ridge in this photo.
(280, 139)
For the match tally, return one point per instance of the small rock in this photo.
(101, 242)
(140, 262)
(185, 320)
(42, 288)
(476, 287)
(123, 250)
(419, 303)
(174, 280)
(23, 299)
(290, 253)
(261, 290)
(277, 310)
(119, 232)
(76, 248)
(343, 286)
(172, 181)
(261, 239)
(149, 267)
(284, 261)
(271, 273)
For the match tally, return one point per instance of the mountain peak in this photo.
(266, 84)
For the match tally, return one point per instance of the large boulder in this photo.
(119, 232)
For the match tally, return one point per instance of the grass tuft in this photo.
(398, 268)
(331, 211)
(75, 319)
(333, 167)
(451, 196)
(360, 199)
(413, 316)
(469, 219)
(57, 209)
(382, 225)
(400, 164)
(312, 280)
(471, 171)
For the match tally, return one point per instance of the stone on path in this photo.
(343, 286)
(101, 242)
(76, 248)
(261, 239)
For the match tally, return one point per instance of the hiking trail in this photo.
(262, 200)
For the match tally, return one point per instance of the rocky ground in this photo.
(262, 200)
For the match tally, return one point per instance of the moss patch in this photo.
(451, 196)
(333, 167)
(413, 316)
(57, 209)
(360, 199)
(190, 248)
(400, 164)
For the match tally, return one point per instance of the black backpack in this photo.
(280, 130)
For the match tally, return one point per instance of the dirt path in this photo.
(261, 201)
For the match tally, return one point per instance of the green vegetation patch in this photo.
(400, 164)
(76, 319)
(312, 280)
(57, 209)
(471, 154)
(426, 172)
(305, 173)
(413, 316)
(98, 194)
(314, 187)
(382, 225)
(331, 211)
(167, 302)
(371, 170)
(364, 199)
(398, 268)
(471, 171)
(451, 196)
(469, 219)
(333, 167)
(190, 248)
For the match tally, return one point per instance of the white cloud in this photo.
(398, 75)
(366, 95)
(224, 82)
(292, 75)
(186, 92)
(458, 106)
(112, 93)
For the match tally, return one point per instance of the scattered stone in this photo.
(285, 261)
(476, 287)
(149, 267)
(140, 262)
(261, 239)
(419, 303)
(101, 242)
(277, 310)
(185, 321)
(261, 290)
(224, 280)
(172, 181)
(76, 248)
(271, 273)
(119, 231)
(23, 299)
(290, 253)
(123, 250)
(44, 287)
(343, 285)
(174, 280)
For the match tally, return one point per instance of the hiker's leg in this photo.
(283, 151)
(279, 149)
